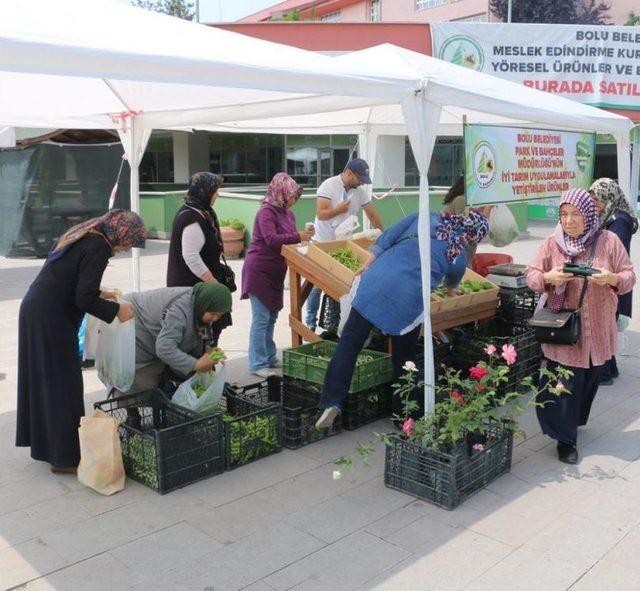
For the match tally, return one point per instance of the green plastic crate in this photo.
(306, 363)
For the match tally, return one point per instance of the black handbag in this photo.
(228, 275)
(559, 328)
(563, 327)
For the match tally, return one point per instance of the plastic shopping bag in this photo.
(203, 391)
(81, 336)
(101, 466)
(91, 336)
(116, 354)
(503, 228)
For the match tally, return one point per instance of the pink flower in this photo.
(457, 397)
(509, 354)
(478, 447)
(490, 349)
(408, 427)
(560, 386)
(478, 372)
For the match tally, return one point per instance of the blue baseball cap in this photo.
(361, 168)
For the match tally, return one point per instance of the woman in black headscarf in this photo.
(196, 247)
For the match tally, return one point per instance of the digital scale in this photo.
(509, 275)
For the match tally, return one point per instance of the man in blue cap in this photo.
(338, 198)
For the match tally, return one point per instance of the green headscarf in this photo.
(210, 297)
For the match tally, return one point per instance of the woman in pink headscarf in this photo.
(264, 269)
(578, 238)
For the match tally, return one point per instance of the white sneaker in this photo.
(265, 372)
(327, 417)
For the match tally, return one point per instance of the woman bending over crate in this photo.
(388, 295)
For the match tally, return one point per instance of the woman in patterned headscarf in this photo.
(617, 216)
(196, 250)
(50, 391)
(264, 269)
(578, 239)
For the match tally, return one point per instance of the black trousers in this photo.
(561, 416)
(343, 362)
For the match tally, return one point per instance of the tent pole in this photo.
(134, 189)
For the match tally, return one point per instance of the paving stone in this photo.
(26, 524)
(447, 566)
(233, 521)
(606, 575)
(249, 560)
(26, 562)
(349, 512)
(165, 549)
(576, 539)
(526, 570)
(344, 565)
(100, 573)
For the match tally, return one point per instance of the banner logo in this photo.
(484, 164)
(583, 156)
(462, 51)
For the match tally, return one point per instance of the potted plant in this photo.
(232, 233)
(467, 441)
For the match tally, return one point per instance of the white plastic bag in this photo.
(91, 337)
(209, 400)
(116, 354)
(346, 228)
(503, 228)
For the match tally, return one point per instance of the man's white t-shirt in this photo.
(333, 189)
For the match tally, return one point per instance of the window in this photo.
(446, 163)
(424, 4)
(245, 158)
(157, 162)
(374, 11)
(331, 17)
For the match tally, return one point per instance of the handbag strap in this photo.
(591, 257)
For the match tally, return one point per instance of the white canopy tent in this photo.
(108, 65)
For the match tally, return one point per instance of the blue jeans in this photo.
(262, 348)
(313, 304)
(342, 365)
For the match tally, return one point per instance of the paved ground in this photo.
(283, 523)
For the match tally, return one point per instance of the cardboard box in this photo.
(466, 300)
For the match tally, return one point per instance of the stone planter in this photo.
(233, 242)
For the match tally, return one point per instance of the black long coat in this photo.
(50, 389)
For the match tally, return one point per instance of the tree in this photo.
(573, 12)
(180, 8)
(633, 20)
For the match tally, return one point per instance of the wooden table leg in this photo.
(296, 306)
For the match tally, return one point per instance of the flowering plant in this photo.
(466, 403)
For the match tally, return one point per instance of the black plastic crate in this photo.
(470, 341)
(446, 479)
(366, 406)
(516, 306)
(172, 447)
(358, 408)
(252, 429)
(300, 410)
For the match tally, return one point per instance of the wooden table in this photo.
(305, 273)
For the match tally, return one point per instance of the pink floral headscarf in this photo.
(282, 191)
(570, 247)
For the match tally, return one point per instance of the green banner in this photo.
(507, 164)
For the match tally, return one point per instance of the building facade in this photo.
(408, 11)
